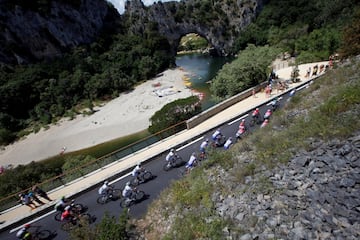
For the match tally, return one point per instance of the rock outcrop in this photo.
(219, 23)
(315, 196)
(35, 31)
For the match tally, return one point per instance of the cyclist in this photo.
(216, 135)
(274, 104)
(170, 157)
(266, 121)
(267, 114)
(105, 189)
(242, 124)
(24, 233)
(191, 163)
(137, 171)
(61, 204)
(228, 143)
(256, 114)
(204, 145)
(68, 215)
(127, 191)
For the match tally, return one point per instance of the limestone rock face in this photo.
(219, 24)
(32, 32)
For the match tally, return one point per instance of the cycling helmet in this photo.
(106, 182)
(27, 225)
(243, 120)
(128, 184)
(63, 198)
(207, 140)
(172, 150)
(193, 154)
(257, 109)
(67, 208)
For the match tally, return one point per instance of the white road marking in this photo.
(238, 119)
(190, 143)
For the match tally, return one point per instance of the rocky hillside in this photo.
(298, 178)
(220, 22)
(46, 29)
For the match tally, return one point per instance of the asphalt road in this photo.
(152, 188)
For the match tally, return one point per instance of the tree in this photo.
(351, 34)
(174, 112)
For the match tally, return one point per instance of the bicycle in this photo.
(77, 208)
(175, 162)
(77, 221)
(143, 177)
(136, 196)
(255, 120)
(219, 142)
(39, 234)
(112, 195)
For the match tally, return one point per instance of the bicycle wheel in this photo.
(43, 234)
(178, 161)
(57, 216)
(101, 200)
(147, 176)
(78, 208)
(139, 195)
(125, 202)
(167, 167)
(116, 194)
(134, 182)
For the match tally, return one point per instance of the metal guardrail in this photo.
(80, 171)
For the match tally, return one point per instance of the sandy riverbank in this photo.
(127, 114)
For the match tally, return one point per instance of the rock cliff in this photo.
(220, 22)
(45, 29)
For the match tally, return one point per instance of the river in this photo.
(202, 68)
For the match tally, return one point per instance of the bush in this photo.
(174, 113)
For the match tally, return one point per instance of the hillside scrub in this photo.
(328, 109)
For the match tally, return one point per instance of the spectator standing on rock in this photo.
(41, 193)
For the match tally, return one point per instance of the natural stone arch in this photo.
(221, 36)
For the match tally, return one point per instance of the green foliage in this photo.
(44, 92)
(299, 26)
(23, 177)
(174, 112)
(248, 70)
(108, 229)
(351, 35)
(195, 226)
(73, 162)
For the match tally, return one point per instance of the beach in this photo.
(127, 114)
